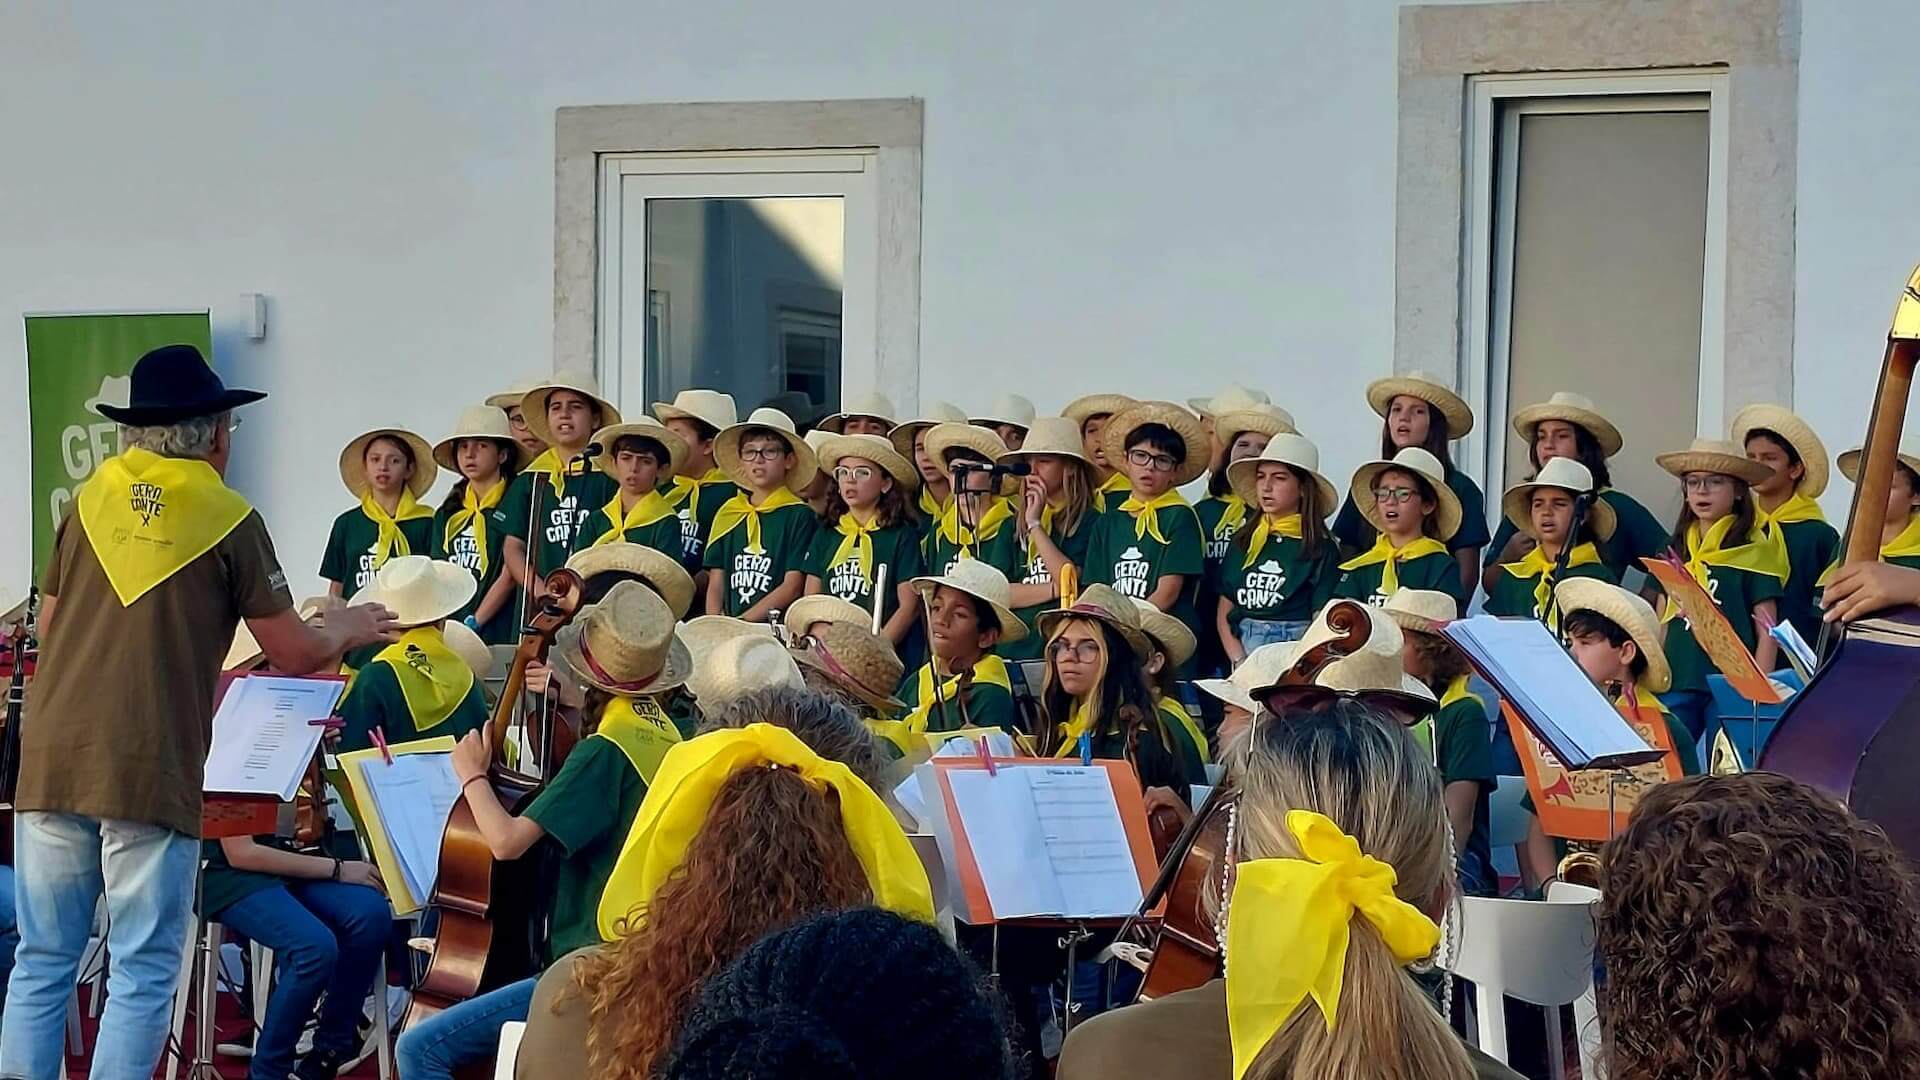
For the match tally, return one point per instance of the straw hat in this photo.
(676, 447)
(815, 439)
(533, 407)
(710, 407)
(1235, 398)
(1169, 633)
(1054, 435)
(983, 583)
(741, 664)
(1575, 409)
(1850, 461)
(726, 448)
(1627, 611)
(858, 660)
(353, 461)
(418, 590)
(468, 647)
(626, 643)
(1102, 603)
(1714, 456)
(938, 412)
(1375, 668)
(705, 633)
(1422, 611)
(1286, 449)
(823, 608)
(1416, 460)
(1419, 384)
(1113, 440)
(956, 436)
(1262, 667)
(1268, 420)
(1813, 452)
(1567, 475)
(243, 652)
(511, 397)
(876, 405)
(1010, 409)
(875, 448)
(476, 422)
(656, 568)
(1084, 408)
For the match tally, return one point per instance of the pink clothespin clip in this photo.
(331, 723)
(380, 740)
(986, 756)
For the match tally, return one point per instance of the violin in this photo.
(1188, 950)
(478, 898)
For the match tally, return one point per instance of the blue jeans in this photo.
(9, 932)
(1257, 632)
(470, 1031)
(64, 863)
(325, 936)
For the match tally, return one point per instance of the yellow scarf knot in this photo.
(1268, 527)
(391, 541)
(1765, 552)
(433, 678)
(1117, 484)
(474, 512)
(1536, 565)
(1796, 509)
(856, 542)
(147, 516)
(1233, 514)
(1079, 722)
(1146, 513)
(741, 509)
(989, 670)
(1388, 557)
(548, 464)
(996, 515)
(646, 510)
(685, 490)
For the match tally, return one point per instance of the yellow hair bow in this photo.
(683, 791)
(1288, 926)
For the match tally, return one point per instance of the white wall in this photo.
(1152, 202)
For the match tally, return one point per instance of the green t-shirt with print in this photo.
(348, 559)
(464, 552)
(1355, 533)
(1735, 592)
(587, 811)
(1280, 583)
(785, 535)
(1000, 551)
(1074, 547)
(696, 522)
(374, 700)
(1512, 597)
(1812, 547)
(1438, 571)
(987, 705)
(551, 539)
(1637, 534)
(896, 547)
(1133, 562)
(662, 536)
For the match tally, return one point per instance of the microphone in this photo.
(1018, 468)
(593, 450)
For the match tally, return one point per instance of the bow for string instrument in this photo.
(487, 935)
(1186, 951)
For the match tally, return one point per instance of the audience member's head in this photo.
(862, 993)
(1752, 927)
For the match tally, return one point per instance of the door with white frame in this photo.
(752, 273)
(1597, 262)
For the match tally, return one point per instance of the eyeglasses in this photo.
(1086, 651)
(1395, 495)
(517, 421)
(1149, 459)
(762, 453)
(1707, 482)
(859, 473)
(233, 421)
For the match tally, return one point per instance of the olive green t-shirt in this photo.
(1637, 534)
(1513, 597)
(464, 552)
(896, 547)
(1074, 547)
(1281, 583)
(1438, 571)
(785, 534)
(374, 700)
(987, 705)
(1812, 547)
(222, 886)
(348, 559)
(1154, 759)
(1735, 592)
(550, 540)
(1353, 531)
(1000, 551)
(587, 811)
(1133, 562)
(697, 521)
(662, 536)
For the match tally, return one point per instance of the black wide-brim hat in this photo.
(173, 383)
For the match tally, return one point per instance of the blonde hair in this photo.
(1364, 771)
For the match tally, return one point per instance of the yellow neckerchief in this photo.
(1233, 514)
(1117, 484)
(1268, 527)
(1456, 692)
(548, 463)
(1796, 509)
(647, 509)
(1288, 927)
(1146, 512)
(1903, 546)
(1177, 713)
(856, 542)
(1079, 722)
(432, 677)
(740, 508)
(391, 541)
(1539, 567)
(930, 506)
(1763, 553)
(148, 516)
(641, 729)
(989, 669)
(996, 515)
(688, 784)
(1384, 554)
(473, 511)
(686, 489)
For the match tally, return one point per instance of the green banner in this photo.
(73, 363)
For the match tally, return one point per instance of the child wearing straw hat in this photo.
(1900, 533)
(1148, 546)
(1784, 503)
(559, 487)
(640, 456)
(388, 470)
(1543, 509)
(815, 495)
(910, 438)
(968, 613)
(1096, 690)
(1458, 735)
(1281, 569)
(860, 669)
(482, 452)
(1056, 522)
(1741, 565)
(1419, 411)
(508, 402)
(1011, 417)
(1172, 645)
(699, 487)
(868, 414)
(756, 554)
(868, 524)
(977, 522)
(417, 686)
(1092, 412)
(1569, 425)
(624, 654)
(1413, 514)
(1236, 435)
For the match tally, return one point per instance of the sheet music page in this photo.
(911, 798)
(999, 744)
(1572, 717)
(413, 797)
(1086, 840)
(1009, 845)
(263, 738)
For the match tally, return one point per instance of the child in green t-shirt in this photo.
(388, 470)
(1543, 508)
(1056, 522)
(1280, 569)
(760, 536)
(482, 452)
(977, 521)
(699, 487)
(868, 525)
(418, 686)
(1172, 646)
(1092, 413)
(557, 490)
(1784, 504)
(639, 456)
(1413, 512)
(968, 615)
(1900, 532)
(1148, 545)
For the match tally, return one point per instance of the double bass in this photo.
(1854, 732)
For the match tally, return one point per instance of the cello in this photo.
(1855, 730)
(487, 935)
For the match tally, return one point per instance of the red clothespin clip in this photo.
(380, 740)
(986, 756)
(331, 723)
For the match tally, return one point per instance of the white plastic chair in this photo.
(510, 1034)
(1540, 953)
(1586, 1011)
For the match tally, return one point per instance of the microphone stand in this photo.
(1581, 504)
